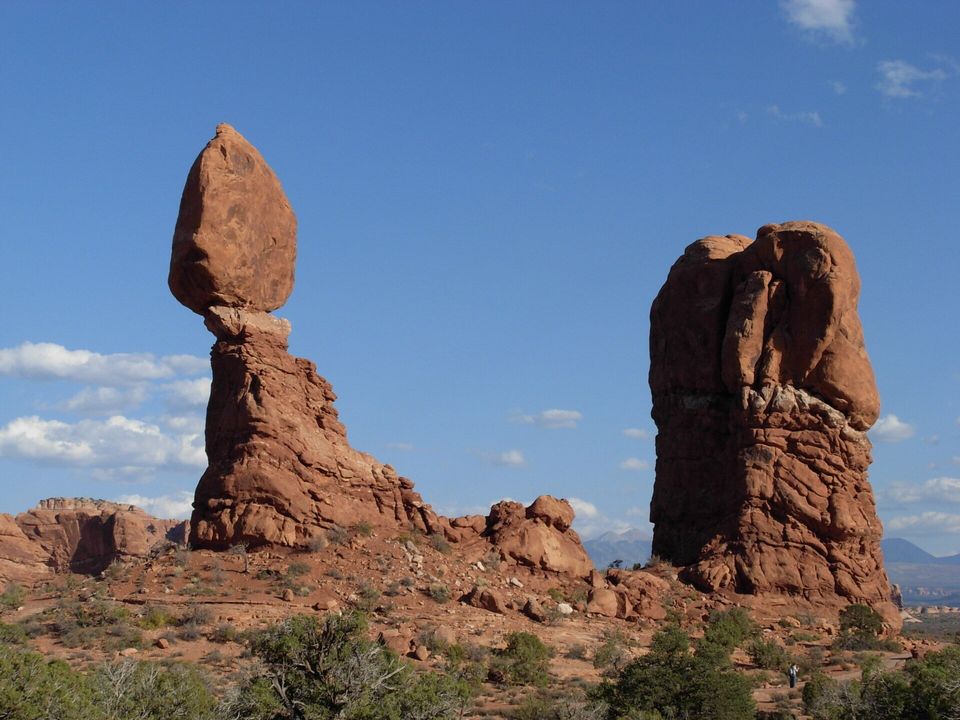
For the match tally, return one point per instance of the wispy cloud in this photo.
(891, 429)
(106, 400)
(508, 458)
(401, 446)
(938, 490)
(832, 19)
(636, 433)
(927, 523)
(551, 419)
(589, 521)
(899, 79)
(49, 361)
(634, 464)
(838, 87)
(117, 442)
(178, 505)
(806, 118)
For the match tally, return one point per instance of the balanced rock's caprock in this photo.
(762, 396)
(235, 243)
(281, 471)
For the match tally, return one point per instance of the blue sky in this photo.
(489, 197)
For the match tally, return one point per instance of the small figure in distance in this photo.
(793, 673)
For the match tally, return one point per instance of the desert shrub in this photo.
(525, 660)
(439, 542)
(12, 597)
(363, 528)
(154, 618)
(730, 628)
(556, 594)
(339, 535)
(314, 669)
(670, 681)
(577, 651)
(240, 550)
(612, 655)
(367, 597)
(130, 690)
(225, 632)
(181, 557)
(12, 634)
(767, 654)
(34, 688)
(440, 592)
(860, 628)
(297, 569)
(196, 615)
(85, 623)
(316, 544)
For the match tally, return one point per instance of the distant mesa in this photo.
(762, 395)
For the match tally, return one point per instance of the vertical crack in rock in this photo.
(762, 396)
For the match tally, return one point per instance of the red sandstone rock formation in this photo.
(762, 395)
(281, 471)
(78, 535)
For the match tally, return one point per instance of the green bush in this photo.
(730, 628)
(325, 670)
(34, 688)
(12, 597)
(525, 660)
(767, 654)
(670, 681)
(132, 690)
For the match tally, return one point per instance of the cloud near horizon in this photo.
(177, 506)
(634, 464)
(926, 523)
(50, 361)
(552, 419)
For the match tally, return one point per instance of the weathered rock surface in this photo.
(762, 395)
(78, 535)
(281, 471)
(235, 242)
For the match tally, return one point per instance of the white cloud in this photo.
(117, 442)
(401, 446)
(550, 419)
(927, 523)
(838, 87)
(833, 18)
(106, 400)
(49, 361)
(188, 393)
(938, 490)
(899, 79)
(807, 118)
(636, 433)
(891, 429)
(511, 458)
(177, 506)
(635, 464)
(583, 508)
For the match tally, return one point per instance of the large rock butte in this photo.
(281, 471)
(762, 396)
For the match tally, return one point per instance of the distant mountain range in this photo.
(630, 547)
(898, 550)
(924, 579)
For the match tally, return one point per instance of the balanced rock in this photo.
(280, 468)
(762, 395)
(235, 242)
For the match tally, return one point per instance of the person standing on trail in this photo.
(793, 673)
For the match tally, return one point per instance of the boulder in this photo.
(235, 242)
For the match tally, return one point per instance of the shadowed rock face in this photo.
(762, 395)
(281, 471)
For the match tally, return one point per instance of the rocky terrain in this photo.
(762, 395)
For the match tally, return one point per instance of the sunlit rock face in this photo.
(762, 395)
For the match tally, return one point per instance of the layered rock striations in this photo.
(78, 535)
(281, 470)
(762, 395)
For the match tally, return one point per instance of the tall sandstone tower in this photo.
(762, 396)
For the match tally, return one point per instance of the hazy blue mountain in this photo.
(898, 550)
(631, 546)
